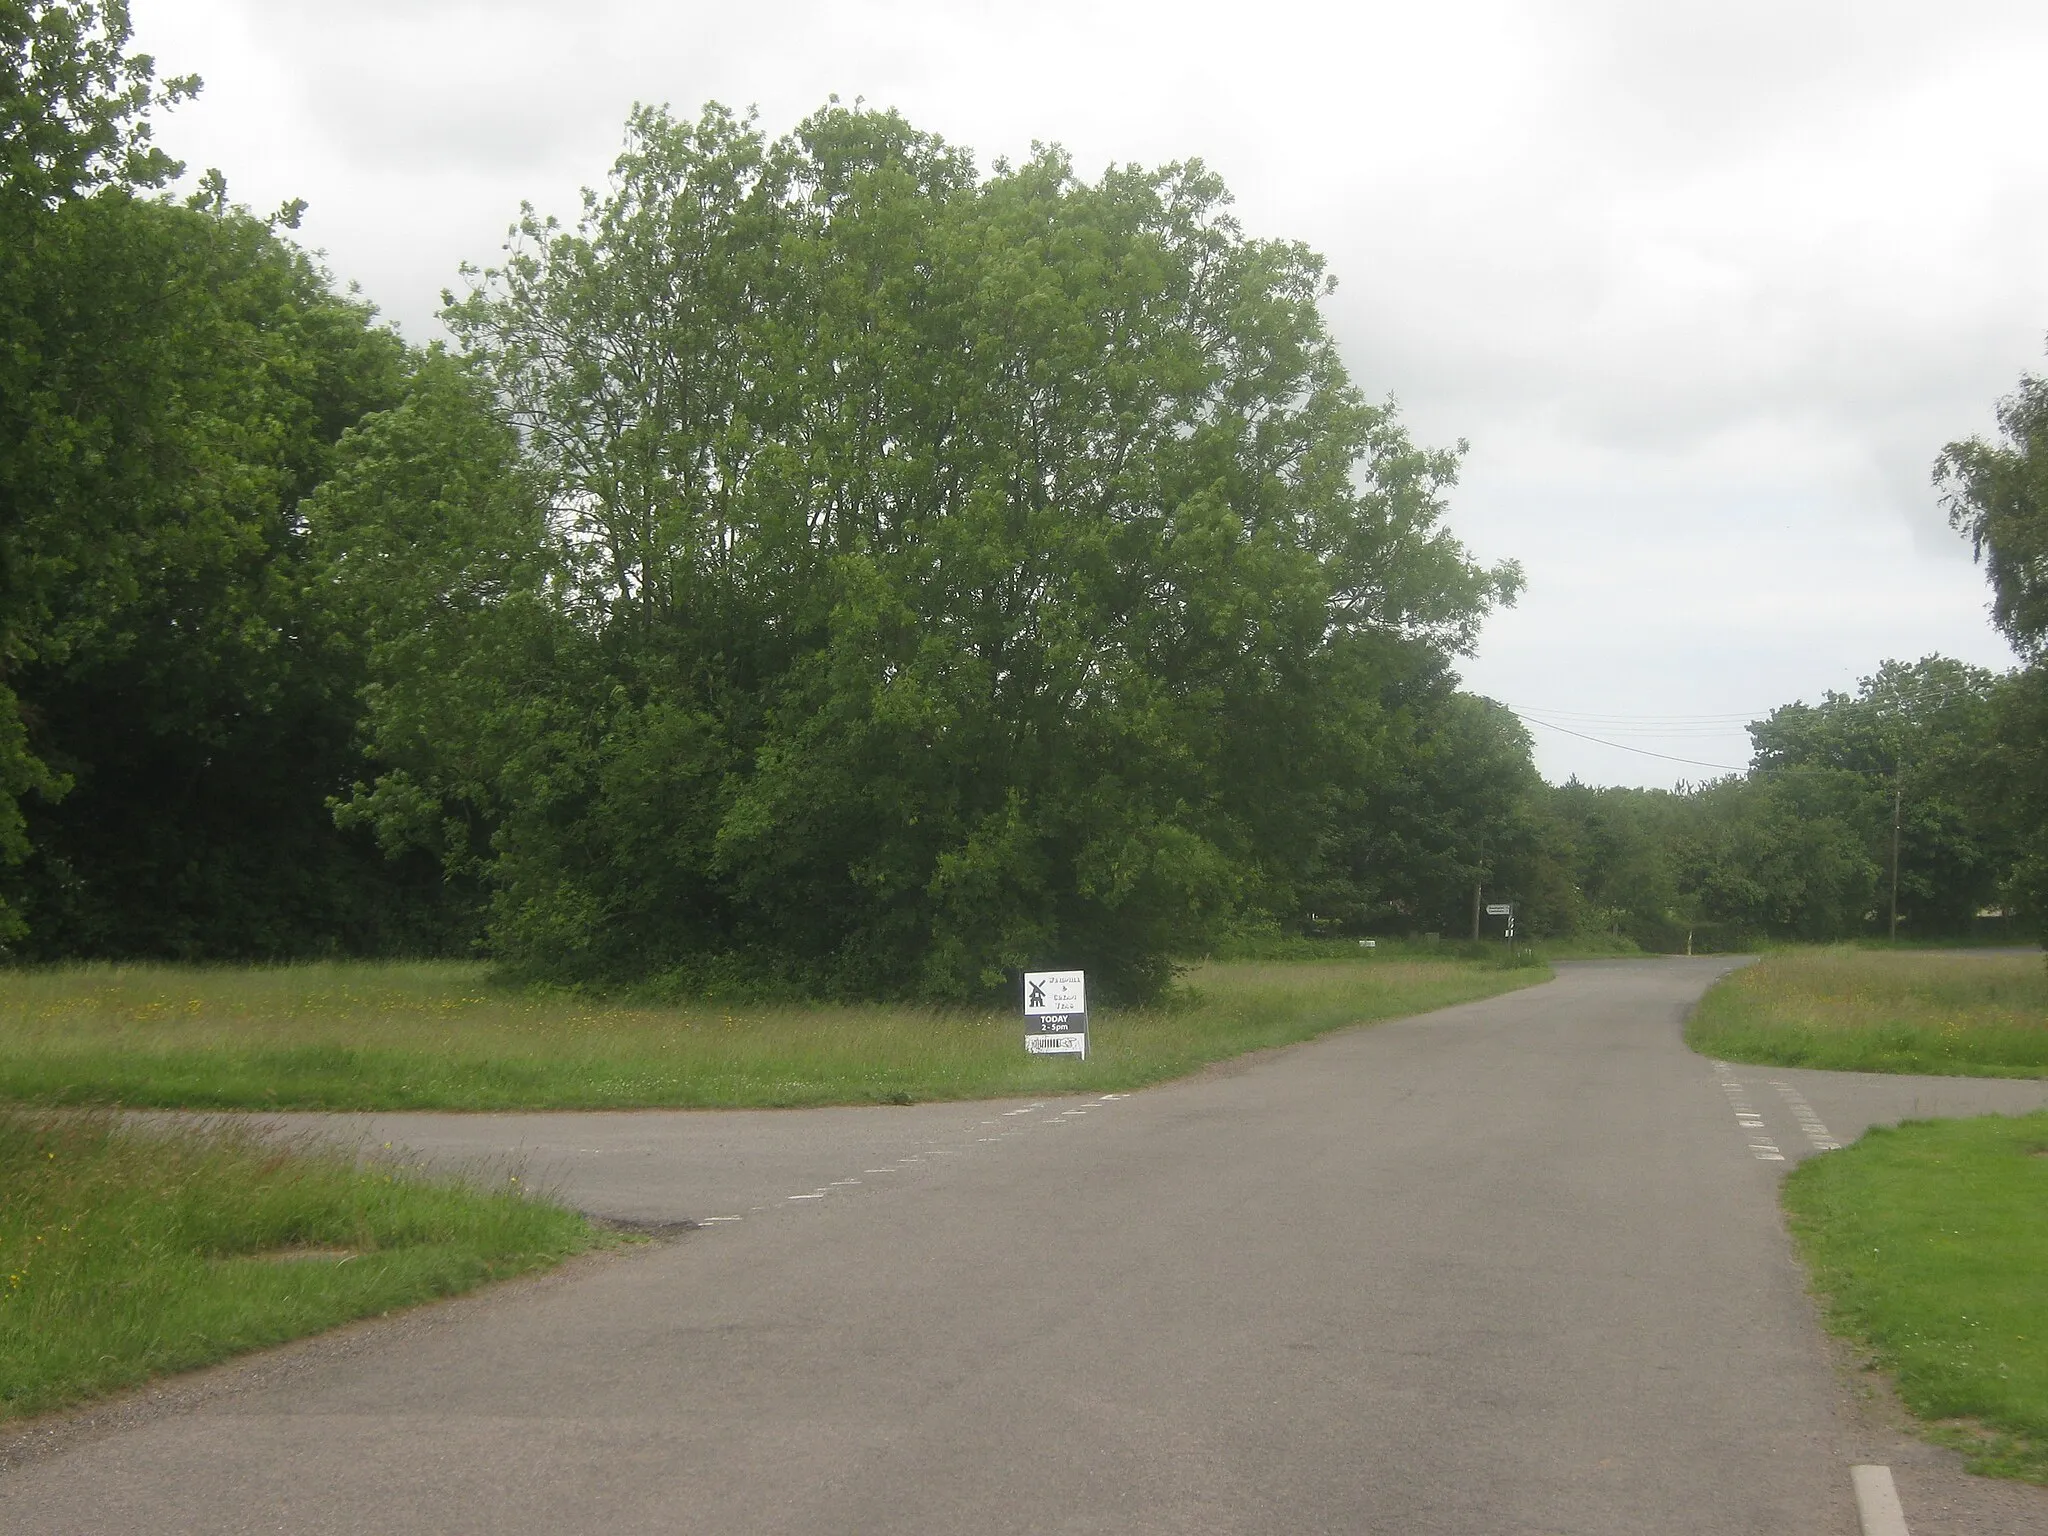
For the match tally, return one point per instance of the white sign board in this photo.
(1056, 1013)
(1051, 992)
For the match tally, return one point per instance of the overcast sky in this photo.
(1705, 287)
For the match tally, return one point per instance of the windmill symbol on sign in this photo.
(1037, 998)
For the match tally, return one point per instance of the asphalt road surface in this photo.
(1513, 1267)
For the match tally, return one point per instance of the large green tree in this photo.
(1903, 760)
(189, 683)
(74, 105)
(177, 702)
(897, 575)
(1444, 807)
(1997, 493)
(1622, 847)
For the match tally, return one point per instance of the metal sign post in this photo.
(1500, 919)
(1056, 1013)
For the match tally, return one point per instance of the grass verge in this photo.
(1854, 1010)
(126, 1254)
(442, 1036)
(1930, 1244)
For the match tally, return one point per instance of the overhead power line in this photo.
(1641, 732)
(1743, 716)
(1621, 747)
(1642, 727)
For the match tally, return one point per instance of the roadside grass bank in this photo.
(1858, 1010)
(1929, 1243)
(363, 1035)
(2001, 936)
(127, 1254)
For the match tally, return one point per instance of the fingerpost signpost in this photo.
(1056, 1013)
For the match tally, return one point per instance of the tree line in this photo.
(1915, 808)
(1908, 809)
(822, 566)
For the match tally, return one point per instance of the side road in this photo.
(1512, 1267)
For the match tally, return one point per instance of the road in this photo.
(1513, 1267)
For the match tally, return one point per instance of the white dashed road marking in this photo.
(1878, 1509)
(1817, 1135)
(1747, 1119)
(934, 1151)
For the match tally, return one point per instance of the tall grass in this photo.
(1979, 1015)
(1930, 1243)
(443, 1035)
(125, 1255)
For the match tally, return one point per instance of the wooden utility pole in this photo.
(1477, 888)
(1898, 803)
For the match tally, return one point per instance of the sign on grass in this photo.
(1056, 1013)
